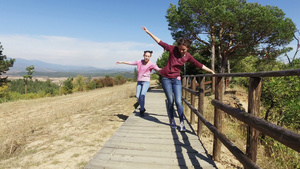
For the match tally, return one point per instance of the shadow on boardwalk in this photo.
(150, 142)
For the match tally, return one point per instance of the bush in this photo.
(33, 86)
(67, 86)
(90, 84)
(118, 80)
(79, 83)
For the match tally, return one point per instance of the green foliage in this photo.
(90, 84)
(98, 83)
(37, 89)
(247, 64)
(154, 76)
(283, 156)
(4, 66)
(135, 74)
(4, 93)
(79, 83)
(281, 101)
(163, 60)
(281, 97)
(30, 71)
(34, 86)
(238, 28)
(119, 79)
(68, 86)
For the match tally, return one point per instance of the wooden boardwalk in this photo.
(150, 142)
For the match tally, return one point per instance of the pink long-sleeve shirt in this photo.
(144, 71)
(176, 61)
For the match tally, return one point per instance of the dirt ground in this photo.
(67, 131)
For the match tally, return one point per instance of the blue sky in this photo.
(92, 32)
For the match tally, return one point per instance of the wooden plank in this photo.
(150, 142)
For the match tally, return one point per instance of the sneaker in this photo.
(182, 127)
(173, 123)
(142, 113)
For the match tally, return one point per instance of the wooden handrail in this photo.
(280, 73)
(231, 147)
(255, 124)
(285, 136)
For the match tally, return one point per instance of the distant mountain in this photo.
(48, 69)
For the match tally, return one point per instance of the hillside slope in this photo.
(62, 132)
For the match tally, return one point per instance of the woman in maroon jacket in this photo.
(171, 81)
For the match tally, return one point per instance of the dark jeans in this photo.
(171, 86)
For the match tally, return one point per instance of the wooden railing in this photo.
(251, 118)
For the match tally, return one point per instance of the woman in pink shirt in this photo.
(144, 68)
(171, 81)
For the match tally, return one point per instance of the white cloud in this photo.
(72, 51)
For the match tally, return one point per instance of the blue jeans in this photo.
(171, 86)
(141, 90)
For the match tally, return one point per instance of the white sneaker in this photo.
(173, 123)
(182, 127)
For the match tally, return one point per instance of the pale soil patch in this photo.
(62, 132)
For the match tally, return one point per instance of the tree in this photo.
(79, 83)
(68, 86)
(4, 66)
(291, 60)
(30, 71)
(235, 27)
(135, 75)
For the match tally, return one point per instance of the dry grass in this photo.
(64, 131)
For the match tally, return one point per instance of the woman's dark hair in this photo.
(148, 51)
(184, 41)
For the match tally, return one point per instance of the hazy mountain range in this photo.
(49, 69)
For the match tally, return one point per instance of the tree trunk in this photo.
(26, 89)
(213, 55)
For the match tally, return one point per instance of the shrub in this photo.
(67, 86)
(118, 80)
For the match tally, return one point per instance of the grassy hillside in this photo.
(64, 131)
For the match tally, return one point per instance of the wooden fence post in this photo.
(193, 85)
(201, 103)
(185, 84)
(253, 109)
(218, 118)
(213, 84)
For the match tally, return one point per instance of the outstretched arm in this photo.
(122, 62)
(207, 69)
(157, 40)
